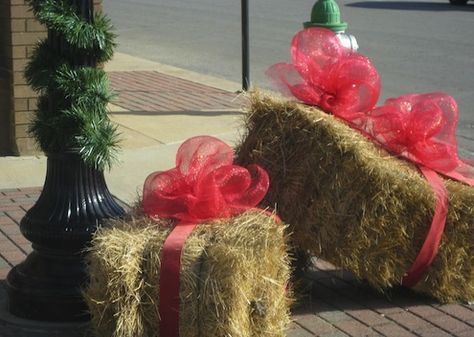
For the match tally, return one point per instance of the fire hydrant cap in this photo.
(325, 13)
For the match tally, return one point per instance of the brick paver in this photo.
(13, 246)
(151, 91)
(357, 310)
(336, 305)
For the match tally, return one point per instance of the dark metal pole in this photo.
(245, 46)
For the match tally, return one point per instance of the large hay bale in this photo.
(234, 275)
(351, 203)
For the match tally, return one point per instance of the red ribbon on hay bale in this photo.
(419, 127)
(204, 185)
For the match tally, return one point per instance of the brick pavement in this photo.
(156, 92)
(339, 305)
(336, 305)
(13, 246)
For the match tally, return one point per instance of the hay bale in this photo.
(233, 278)
(351, 203)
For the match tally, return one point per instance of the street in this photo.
(417, 46)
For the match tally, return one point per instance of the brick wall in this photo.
(19, 32)
(25, 33)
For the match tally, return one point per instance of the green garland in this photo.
(72, 106)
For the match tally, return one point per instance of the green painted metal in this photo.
(326, 13)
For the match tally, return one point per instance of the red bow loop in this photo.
(199, 155)
(204, 184)
(326, 74)
(313, 51)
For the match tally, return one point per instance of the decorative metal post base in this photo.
(46, 287)
(75, 200)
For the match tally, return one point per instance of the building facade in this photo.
(19, 32)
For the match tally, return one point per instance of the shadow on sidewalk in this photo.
(338, 290)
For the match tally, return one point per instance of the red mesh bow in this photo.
(422, 128)
(326, 74)
(204, 184)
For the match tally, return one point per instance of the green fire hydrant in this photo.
(326, 14)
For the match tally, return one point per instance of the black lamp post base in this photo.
(47, 287)
(74, 202)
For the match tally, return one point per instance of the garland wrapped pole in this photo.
(71, 126)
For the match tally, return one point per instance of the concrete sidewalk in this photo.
(159, 107)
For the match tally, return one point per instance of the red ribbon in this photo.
(204, 185)
(170, 278)
(418, 127)
(433, 239)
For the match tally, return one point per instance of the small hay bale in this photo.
(351, 203)
(234, 275)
